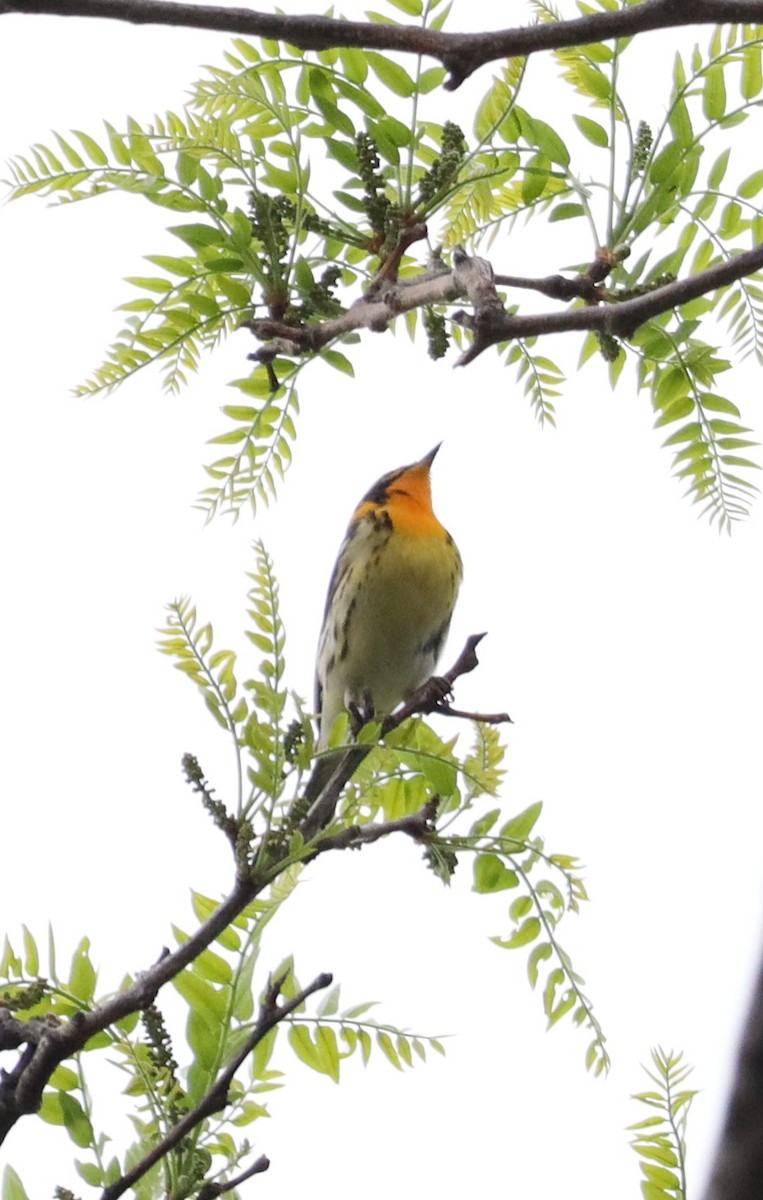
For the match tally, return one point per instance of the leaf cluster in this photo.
(659, 1139)
(263, 224)
(396, 780)
(167, 1074)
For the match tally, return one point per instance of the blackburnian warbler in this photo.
(390, 600)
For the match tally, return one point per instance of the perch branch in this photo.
(418, 826)
(426, 699)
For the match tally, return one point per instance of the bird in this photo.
(389, 604)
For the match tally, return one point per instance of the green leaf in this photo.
(661, 1177)
(76, 1121)
(249, 1112)
(687, 433)
(565, 1004)
(354, 63)
(344, 153)
(491, 875)
(196, 235)
(734, 460)
(593, 82)
(718, 404)
(91, 148)
(202, 998)
(404, 1050)
(752, 78)
(537, 955)
(328, 1051)
(536, 178)
(118, 146)
(175, 266)
(520, 826)
(387, 1048)
(150, 283)
(666, 162)
(751, 185)
(547, 140)
(304, 1048)
(64, 1079)
(527, 932)
(339, 361)
(564, 212)
(213, 967)
(82, 977)
(718, 170)
(484, 824)
(330, 1003)
(358, 1010)
(391, 74)
(31, 955)
(90, 1172)
(13, 1188)
(592, 130)
(431, 79)
(714, 93)
(679, 408)
(520, 908)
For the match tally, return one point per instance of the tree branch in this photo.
(738, 1169)
(211, 1190)
(46, 1047)
(459, 53)
(217, 1097)
(473, 279)
(418, 826)
(45, 1042)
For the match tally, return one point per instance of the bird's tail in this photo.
(323, 769)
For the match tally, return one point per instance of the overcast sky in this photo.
(624, 639)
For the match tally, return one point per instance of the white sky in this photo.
(624, 639)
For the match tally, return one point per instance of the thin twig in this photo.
(217, 1096)
(447, 710)
(418, 826)
(211, 1190)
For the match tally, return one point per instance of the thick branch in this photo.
(374, 314)
(217, 1097)
(471, 278)
(460, 53)
(621, 320)
(738, 1169)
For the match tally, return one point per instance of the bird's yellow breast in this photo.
(391, 611)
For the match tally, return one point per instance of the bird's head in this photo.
(411, 481)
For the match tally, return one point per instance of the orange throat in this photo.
(408, 502)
